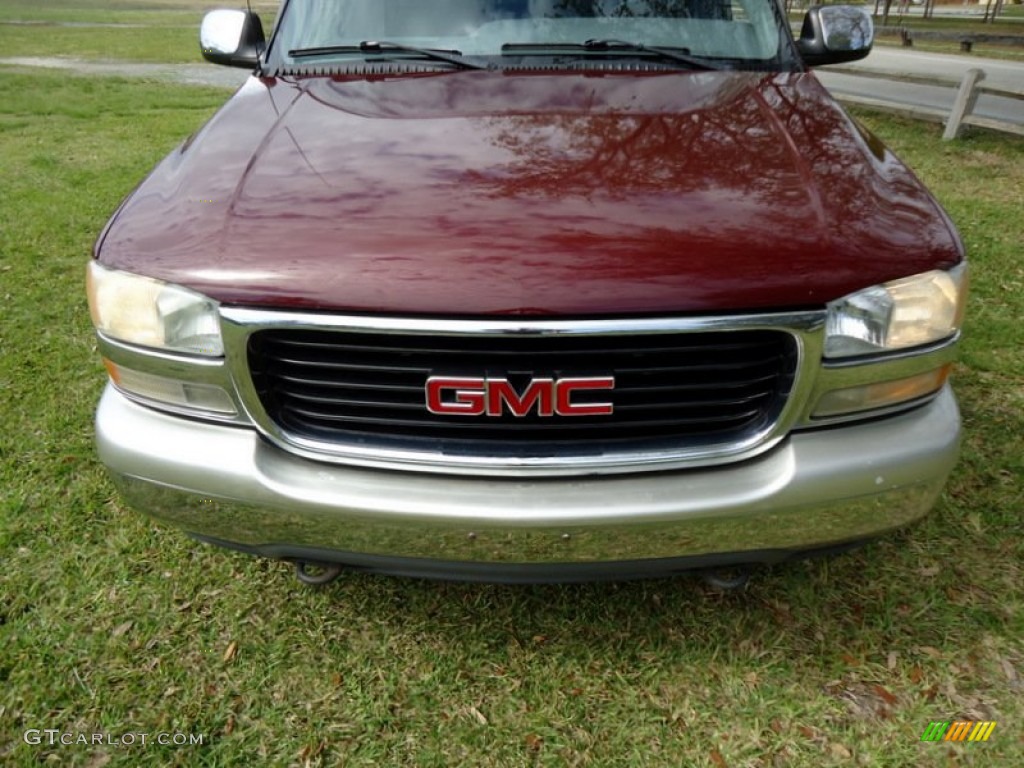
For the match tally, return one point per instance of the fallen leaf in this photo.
(884, 694)
(232, 651)
(120, 629)
(928, 650)
(1008, 670)
(916, 673)
(229, 726)
(534, 742)
(717, 759)
(850, 661)
(782, 613)
(776, 725)
(309, 753)
(891, 660)
(476, 713)
(807, 733)
(838, 750)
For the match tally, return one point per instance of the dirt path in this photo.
(190, 74)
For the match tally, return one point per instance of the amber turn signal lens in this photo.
(160, 389)
(885, 394)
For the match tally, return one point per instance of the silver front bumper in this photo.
(816, 489)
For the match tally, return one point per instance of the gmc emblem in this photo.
(466, 396)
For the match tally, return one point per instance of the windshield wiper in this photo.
(611, 45)
(384, 47)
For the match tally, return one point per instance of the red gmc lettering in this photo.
(493, 397)
(537, 391)
(566, 387)
(468, 400)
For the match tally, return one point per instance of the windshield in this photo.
(740, 33)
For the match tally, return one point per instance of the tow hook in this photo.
(727, 579)
(315, 574)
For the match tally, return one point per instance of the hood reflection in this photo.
(478, 193)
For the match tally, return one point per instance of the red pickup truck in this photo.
(525, 290)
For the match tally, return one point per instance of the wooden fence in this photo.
(962, 113)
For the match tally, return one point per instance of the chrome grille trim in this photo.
(806, 328)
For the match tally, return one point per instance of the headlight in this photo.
(141, 310)
(905, 313)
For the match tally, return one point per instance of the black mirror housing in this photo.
(232, 38)
(834, 34)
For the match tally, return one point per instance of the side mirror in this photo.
(232, 38)
(833, 34)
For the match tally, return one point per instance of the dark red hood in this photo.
(574, 194)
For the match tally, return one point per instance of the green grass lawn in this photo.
(147, 12)
(137, 30)
(150, 44)
(1006, 24)
(967, 27)
(109, 623)
(980, 50)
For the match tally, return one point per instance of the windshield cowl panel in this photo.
(734, 34)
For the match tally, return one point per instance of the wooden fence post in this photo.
(963, 105)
